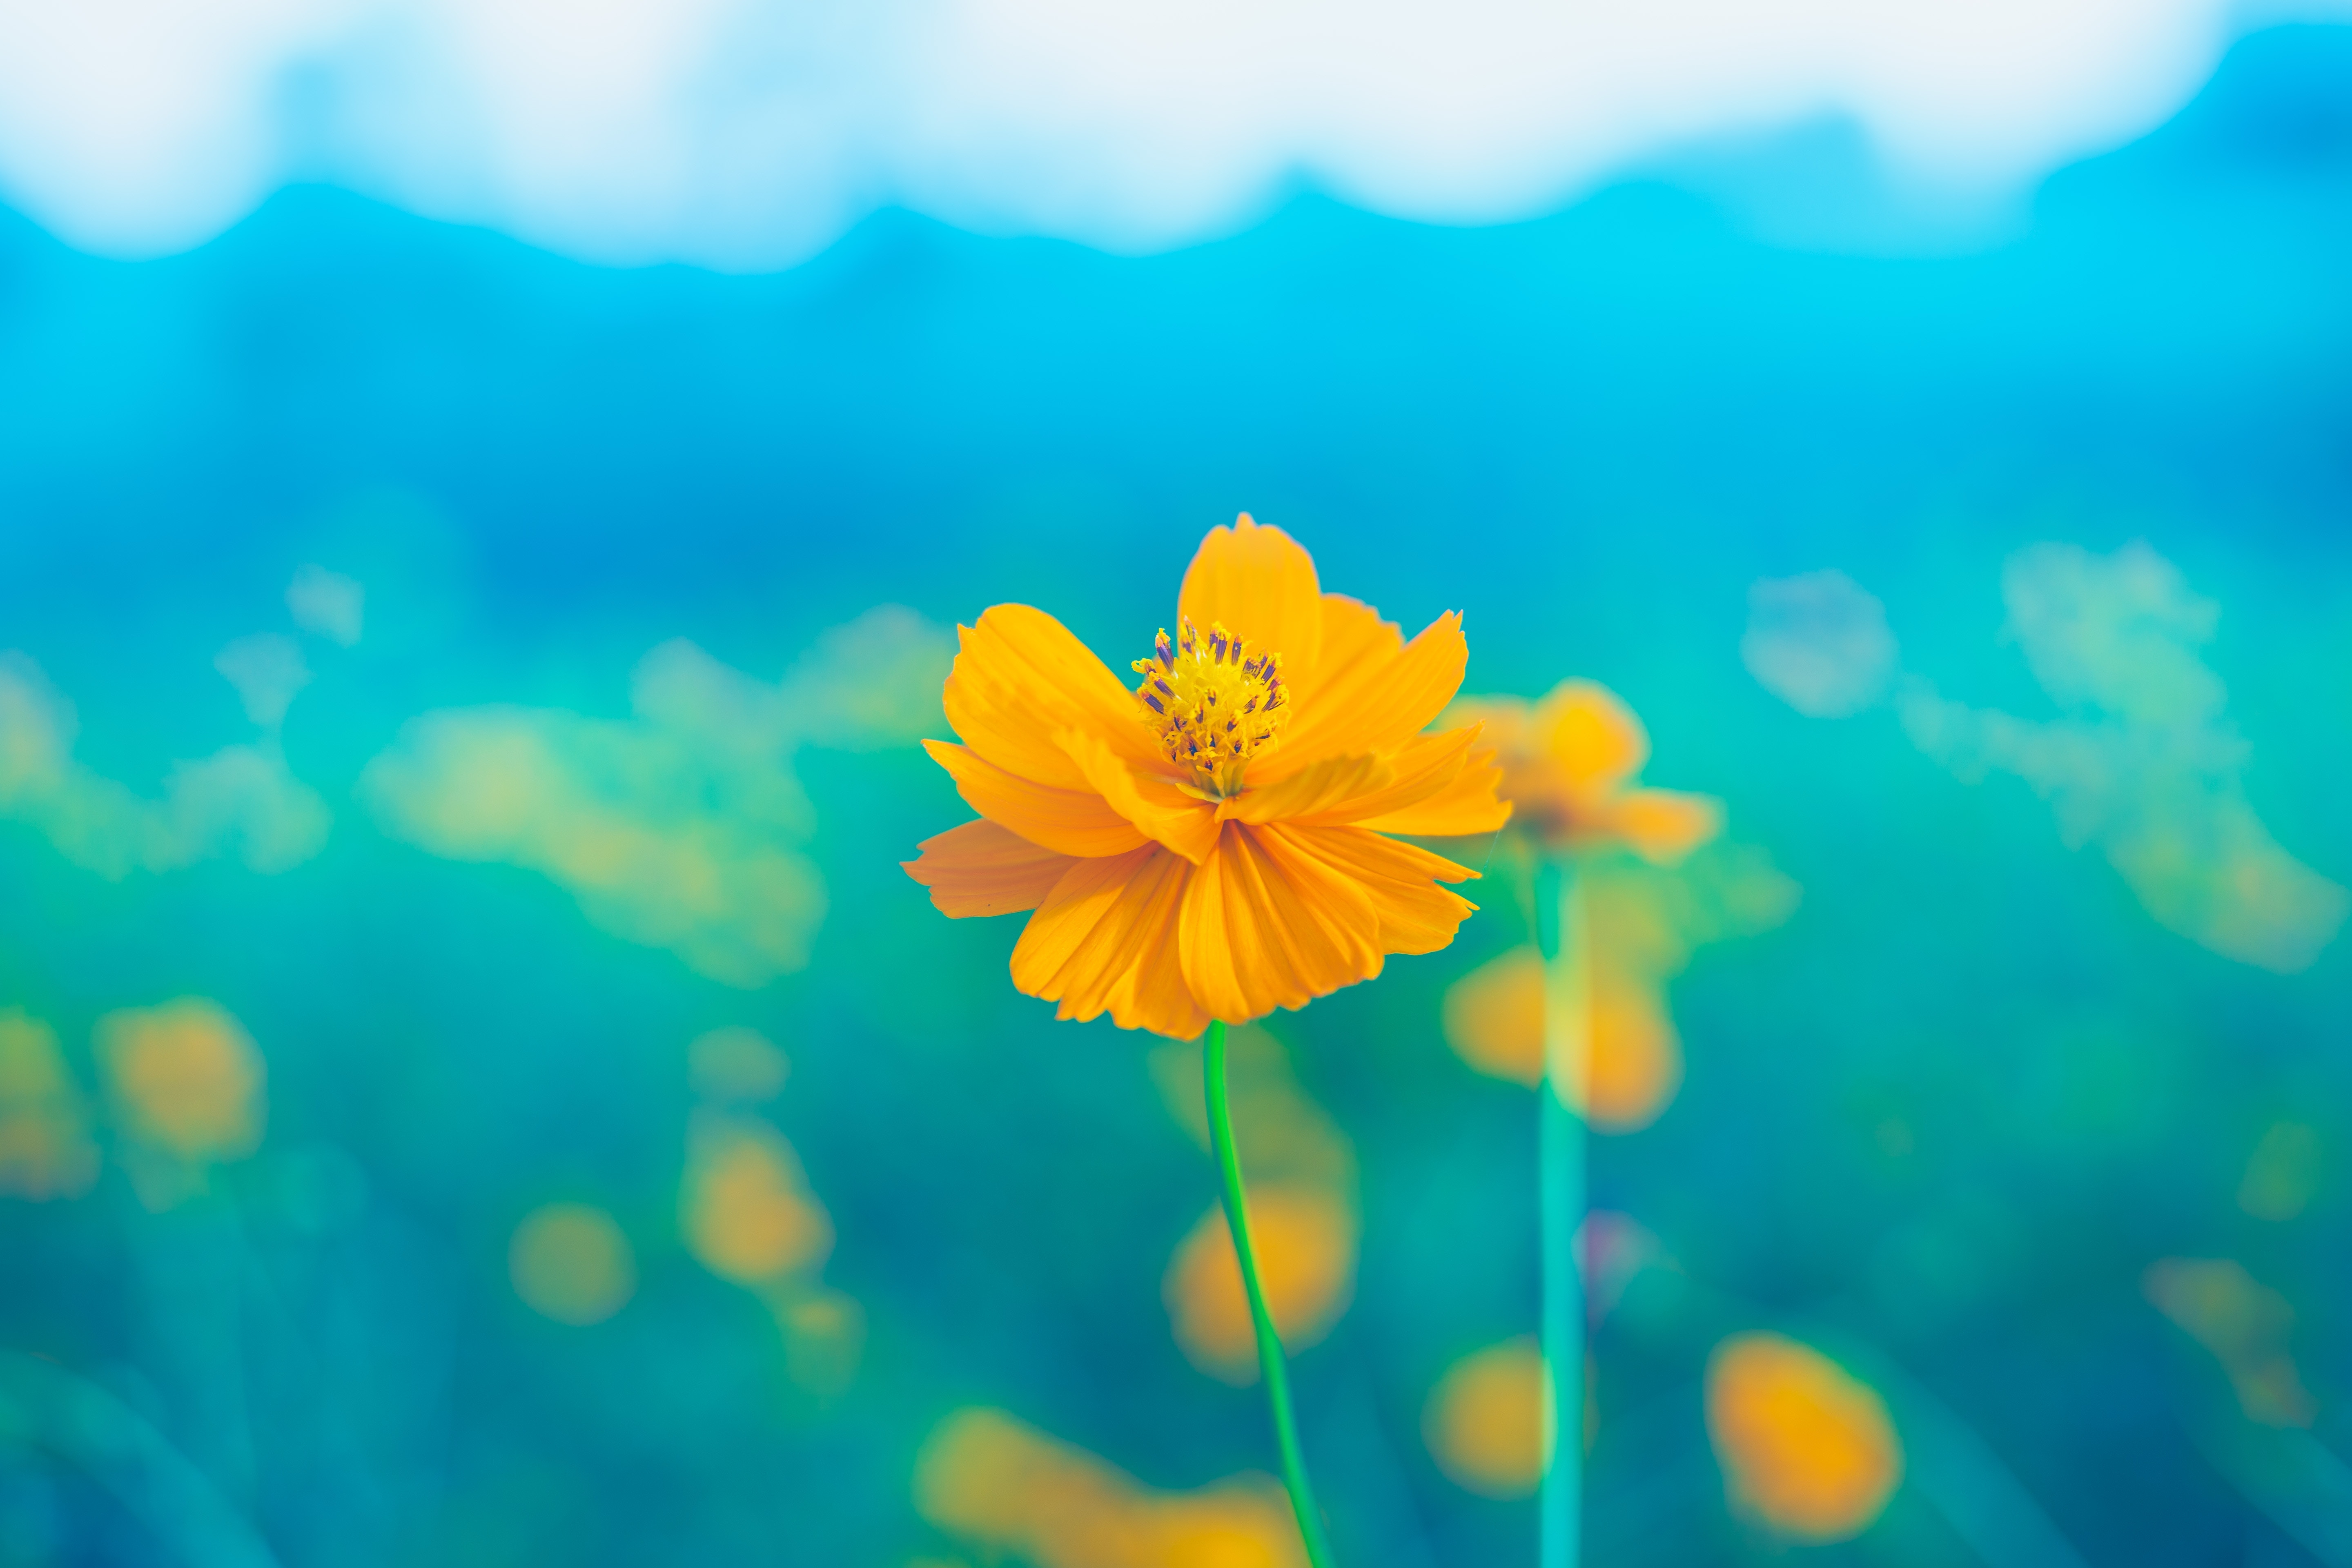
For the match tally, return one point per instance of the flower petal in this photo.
(1262, 586)
(1424, 766)
(982, 868)
(987, 700)
(1152, 995)
(1020, 677)
(1468, 802)
(1375, 708)
(1398, 879)
(1662, 825)
(1318, 787)
(1589, 735)
(1184, 823)
(1356, 644)
(1265, 927)
(1089, 915)
(1074, 822)
(1538, 793)
(1104, 940)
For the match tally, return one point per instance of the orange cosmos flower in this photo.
(1569, 762)
(1806, 1448)
(1214, 843)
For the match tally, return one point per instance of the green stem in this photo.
(1269, 1344)
(1563, 936)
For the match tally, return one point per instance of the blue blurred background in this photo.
(476, 1088)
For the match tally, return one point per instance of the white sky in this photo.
(744, 133)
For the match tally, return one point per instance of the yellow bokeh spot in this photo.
(1493, 1019)
(748, 1213)
(736, 1064)
(1807, 1450)
(45, 1144)
(184, 1079)
(2246, 1325)
(570, 1262)
(1301, 1175)
(1006, 1488)
(1637, 1058)
(682, 828)
(1305, 1237)
(824, 1336)
(1279, 1130)
(2283, 1174)
(1488, 1423)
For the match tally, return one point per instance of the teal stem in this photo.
(1562, 938)
(1270, 1362)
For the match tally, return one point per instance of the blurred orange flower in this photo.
(1213, 843)
(1493, 1019)
(1570, 763)
(1303, 1209)
(1305, 1237)
(1806, 1449)
(1488, 1423)
(571, 1262)
(46, 1151)
(745, 1204)
(185, 1078)
(2246, 1325)
(1006, 1487)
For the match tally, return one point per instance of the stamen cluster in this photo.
(1214, 704)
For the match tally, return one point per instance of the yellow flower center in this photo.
(1214, 704)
